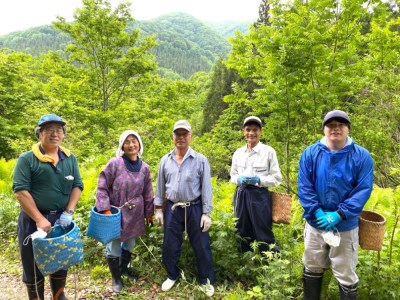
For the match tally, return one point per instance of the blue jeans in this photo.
(114, 248)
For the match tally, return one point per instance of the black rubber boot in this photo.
(36, 292)
(312, 283)
(57, 285)
(125, 260)
(113, 264)
(348, 292)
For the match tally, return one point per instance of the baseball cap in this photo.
(252, 119)
(336, 114)
(182, 124)
(50, 118)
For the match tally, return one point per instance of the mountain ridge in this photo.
(185, 45)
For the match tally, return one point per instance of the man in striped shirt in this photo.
(184, 184)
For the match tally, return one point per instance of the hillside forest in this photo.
(105, 73)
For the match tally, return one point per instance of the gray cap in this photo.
(252, 119)
(182, 124)
(336, 114)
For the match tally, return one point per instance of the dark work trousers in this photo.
(27, 226)
(174, 226)
(253, 208)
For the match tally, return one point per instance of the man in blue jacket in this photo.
(335, 181)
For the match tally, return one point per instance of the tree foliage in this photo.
(313, 58)
(114, 58)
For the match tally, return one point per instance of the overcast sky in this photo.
(22, 14)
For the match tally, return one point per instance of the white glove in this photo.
(159, 216)
(205, 222)
(39, 233)
(65, 219)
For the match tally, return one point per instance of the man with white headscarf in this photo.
(125, 182)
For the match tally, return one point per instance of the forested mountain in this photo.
(185, 45)
(227, 29)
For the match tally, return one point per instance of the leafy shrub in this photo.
(251, 275)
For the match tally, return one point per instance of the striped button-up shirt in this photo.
(185, 182)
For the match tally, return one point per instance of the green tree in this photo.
(307, 64)
(115, 59)
(222, 79)
(19, 95)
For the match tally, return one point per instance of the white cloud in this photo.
(22, 14)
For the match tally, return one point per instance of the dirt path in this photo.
(80, 286)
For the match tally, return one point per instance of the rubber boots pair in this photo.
(312, 283)
(57, 284)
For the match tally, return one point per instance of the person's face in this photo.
(336, 132)
(51, 135)
(131, 146)
(182, 138)
(252, 134)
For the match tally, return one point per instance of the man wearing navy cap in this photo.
(335, 181)
(255, 168)
(47, 184)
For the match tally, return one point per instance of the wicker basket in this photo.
(61, 249)
(104, 228)
(281, 208)
(372, 230)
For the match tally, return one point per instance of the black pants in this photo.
(27, 226)
(253, 208)
(174, 227)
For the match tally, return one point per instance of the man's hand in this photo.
(65, 219)
(329, 220)
(253, 180)
(159, 216)
(205, 222)
(242, 180)
(43, 224)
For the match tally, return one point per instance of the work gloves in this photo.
(327, 220)
(159, 216)
(39, 233)
(242, 180)
(205, 222)
(250, 180)
(65, 219)
(319, 213)
(253, 180)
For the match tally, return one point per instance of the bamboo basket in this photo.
(104, 228)
(281, 207)
(371, 230)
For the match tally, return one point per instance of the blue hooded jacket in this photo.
(335, 181)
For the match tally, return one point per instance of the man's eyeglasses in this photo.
(50, 130)
(335, 125)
